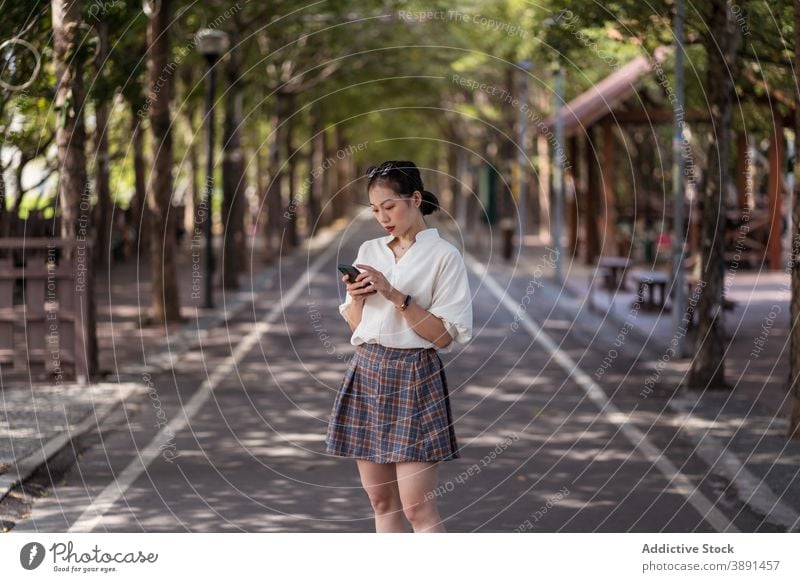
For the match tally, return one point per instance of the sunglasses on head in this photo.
(382, 170)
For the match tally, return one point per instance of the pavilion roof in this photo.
(604, 97)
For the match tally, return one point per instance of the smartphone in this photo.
(350, 271)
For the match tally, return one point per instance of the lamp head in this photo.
(211, 43)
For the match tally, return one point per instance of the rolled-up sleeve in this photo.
(452, 300)
(344, 305)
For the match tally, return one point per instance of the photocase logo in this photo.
(31, 555)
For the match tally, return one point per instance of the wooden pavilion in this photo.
(593, 123)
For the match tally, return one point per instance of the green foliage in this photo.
(384, 70)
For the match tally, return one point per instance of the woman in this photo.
(410, 302)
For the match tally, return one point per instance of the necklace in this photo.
(406, 248)
(400, 251)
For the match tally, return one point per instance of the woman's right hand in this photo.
(359, 291)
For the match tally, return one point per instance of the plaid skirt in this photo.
(393, 406)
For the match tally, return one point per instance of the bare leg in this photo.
(417, 481)
(380, 483)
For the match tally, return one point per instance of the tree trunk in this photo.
(138, 215)
(3, 213)
(590, 195)
(233, 179)
(104, 203)
(165, 299)
(453, 186)
(463, 190)
(195, 192)
(342, 200)
(70, 132)
(274, 204)
(191, 199)
(315, 171)
(506, 205)
(722, 41)
(326, 208)
(3, 199)
(794, 262)
(544, 185)
(18, 187)
(261, 187)
(292, 240)
(70, 140)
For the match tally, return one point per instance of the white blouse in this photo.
(433, 272)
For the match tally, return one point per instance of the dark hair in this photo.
(403, 178)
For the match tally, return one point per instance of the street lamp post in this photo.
(679, 238)
(211, 43)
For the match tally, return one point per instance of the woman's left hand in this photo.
(379, 282)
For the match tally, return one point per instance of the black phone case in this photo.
(350, 271)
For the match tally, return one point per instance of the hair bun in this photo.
(430, 203)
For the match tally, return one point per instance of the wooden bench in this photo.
(652, 282)
(613, 270)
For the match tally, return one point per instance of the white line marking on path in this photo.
(755, 492)
(93, 514)
(595, 393)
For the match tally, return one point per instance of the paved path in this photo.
(545, 447)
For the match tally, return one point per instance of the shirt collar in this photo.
(424, 234)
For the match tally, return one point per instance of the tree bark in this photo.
(342, 200)
(260, 153)
(292, 240)
(191, 198)
(104, 202)
(794, 263)
(3, 213)
(274, 204)
(138, 215)
(24, 158)
(544, 187)
(722, 41)
(194, 192)
(165, 299)
(507, 153)
(453, 186)
(592, 187)
(74, 194)
(316, 170)
(3, 199)
(70, 131)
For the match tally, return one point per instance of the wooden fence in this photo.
(44, 317)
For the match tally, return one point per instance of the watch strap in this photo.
(406, 301)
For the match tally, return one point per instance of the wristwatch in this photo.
(405, 303)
